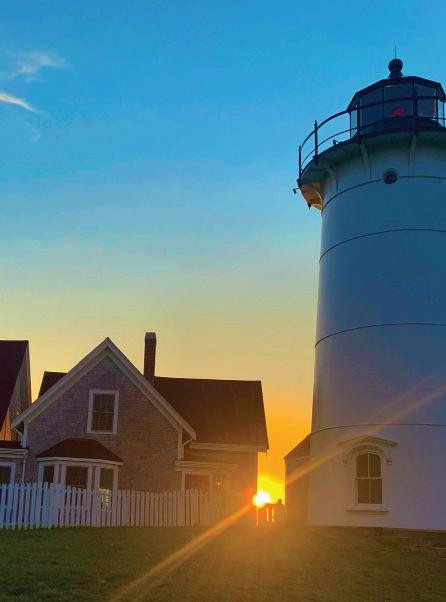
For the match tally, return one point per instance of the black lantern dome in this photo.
(397, 103)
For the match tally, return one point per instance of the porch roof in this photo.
(80, 448)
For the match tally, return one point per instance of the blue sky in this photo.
(148, 183)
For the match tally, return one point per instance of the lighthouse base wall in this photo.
(413, 465)
(380, 386)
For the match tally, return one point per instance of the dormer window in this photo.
(103, 412)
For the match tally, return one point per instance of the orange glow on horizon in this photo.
(275, 487)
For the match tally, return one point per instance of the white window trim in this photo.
(361, 507)
(93, 476)
(98, 468)
(63, 472)
(12, 466)
(362, 452)
(94, 392)
(42, 466)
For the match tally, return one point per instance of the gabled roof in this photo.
(49, 379)
(87, 449)
(105, 349)
(221, 411)
(302, 449)
(11, 358)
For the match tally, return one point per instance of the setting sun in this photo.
(261, 498)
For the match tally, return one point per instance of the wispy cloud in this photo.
(20, 67)
(14, 100)
(28, 65)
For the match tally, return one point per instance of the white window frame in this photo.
(94, 466)
(12, 466)
(42, 466)
(368, 478)
(97, 478)
(94, 392)
(63, 472)
(361, 507)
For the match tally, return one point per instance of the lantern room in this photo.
(397, 102)
(397, 109)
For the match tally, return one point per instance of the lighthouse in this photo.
(376, 171)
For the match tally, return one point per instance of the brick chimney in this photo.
(149, 356)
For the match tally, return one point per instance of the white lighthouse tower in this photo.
(376, 455)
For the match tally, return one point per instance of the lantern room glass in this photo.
(396, 105)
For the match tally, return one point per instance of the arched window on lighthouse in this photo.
(368, 479)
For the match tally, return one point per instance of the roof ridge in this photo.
(219, 380)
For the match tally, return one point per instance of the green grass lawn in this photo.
(239, 565)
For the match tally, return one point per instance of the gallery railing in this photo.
(411, 116)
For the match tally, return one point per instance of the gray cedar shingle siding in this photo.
(221, 411)
(146, 441)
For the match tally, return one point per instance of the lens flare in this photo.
(261, 498)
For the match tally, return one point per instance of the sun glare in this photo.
(275, 488)
(261, 498)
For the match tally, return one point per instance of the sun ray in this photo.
(374, 427)
(157, 573)
(154, 576)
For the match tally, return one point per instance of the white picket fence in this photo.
(38, 505)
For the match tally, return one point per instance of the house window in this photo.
(76, 476)
(197, 481)
(368, 479)
(106, 479)
(5, 474)
(103, 412)
(48, 474)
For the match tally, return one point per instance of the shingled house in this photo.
(15, 397)
(106, 424)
